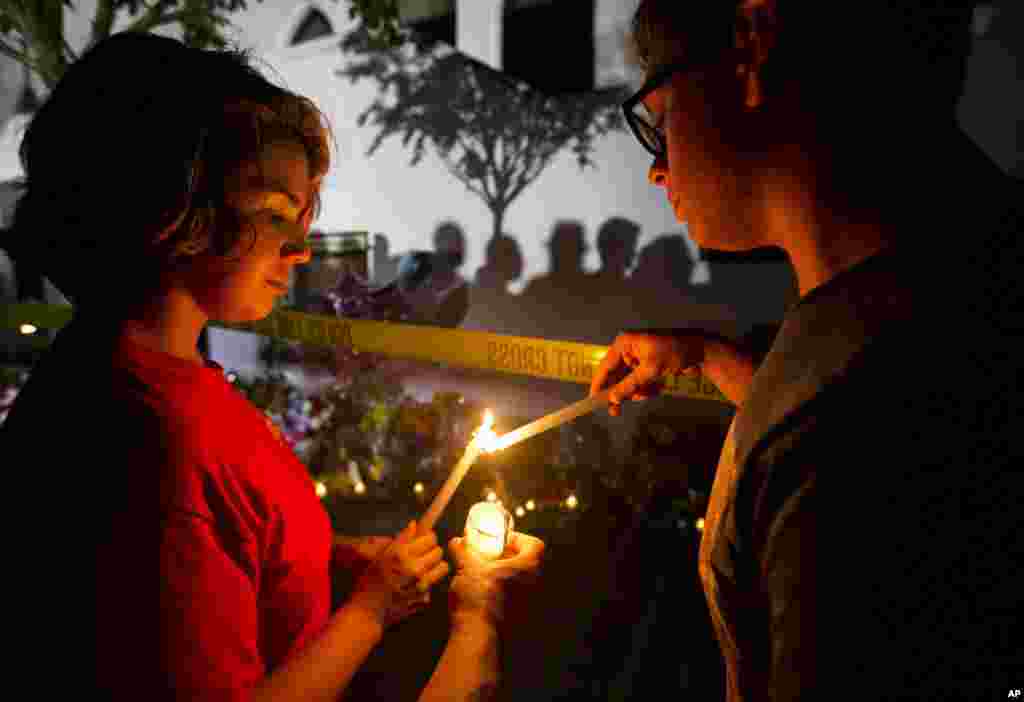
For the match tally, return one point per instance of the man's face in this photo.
(704, 172)
(272, 195)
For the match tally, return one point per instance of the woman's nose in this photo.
(297, 255)
(658, 173)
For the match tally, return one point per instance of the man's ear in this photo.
(755, 40)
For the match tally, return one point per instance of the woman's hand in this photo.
(353, 554)
(645, 358)
(397, 582)
(479, 588)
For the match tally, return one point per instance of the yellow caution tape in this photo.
(519, 355)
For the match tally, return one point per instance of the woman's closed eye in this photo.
(292, 231)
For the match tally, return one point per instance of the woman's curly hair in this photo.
(137, 140)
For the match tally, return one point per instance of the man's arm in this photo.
(730, 368)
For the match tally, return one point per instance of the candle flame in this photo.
(485, 436)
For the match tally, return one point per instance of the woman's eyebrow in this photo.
(274, 186)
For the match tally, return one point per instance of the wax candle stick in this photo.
(444, 495)
(550, 421)
(483, 436)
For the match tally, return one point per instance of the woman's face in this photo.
(273, 195)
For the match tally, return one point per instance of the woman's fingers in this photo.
(420, 545)
(433, 576)
(428, 561)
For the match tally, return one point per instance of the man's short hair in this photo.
(617, 233)
(893, 54)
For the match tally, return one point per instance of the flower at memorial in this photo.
(11, 383)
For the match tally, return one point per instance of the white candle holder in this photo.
(488, 527)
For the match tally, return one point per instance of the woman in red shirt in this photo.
(158, 200)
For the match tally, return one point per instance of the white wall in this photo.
(383, 194)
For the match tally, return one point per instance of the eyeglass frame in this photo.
(656, 81)
(650, 85)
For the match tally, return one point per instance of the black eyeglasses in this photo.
(639, 119)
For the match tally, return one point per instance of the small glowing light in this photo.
(418, 488)
(571, 502)
(28, 329)
(321, 489)
(360, 488)
(492, 496)
(700, 524)
(487, 529)
(531, 505)
(232, 377)
(520, 512)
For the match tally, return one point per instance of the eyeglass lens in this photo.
(646, 131)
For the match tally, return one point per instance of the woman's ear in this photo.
(755, 40)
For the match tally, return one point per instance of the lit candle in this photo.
(487, 529)
(549, 421)
(484, 436)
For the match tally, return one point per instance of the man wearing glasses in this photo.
(828, 129)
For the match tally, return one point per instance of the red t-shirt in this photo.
(245, 542)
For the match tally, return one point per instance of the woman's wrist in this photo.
(355, 613)
(473, 621)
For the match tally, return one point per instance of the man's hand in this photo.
(397, 582)
(646, 358)
(478, 590)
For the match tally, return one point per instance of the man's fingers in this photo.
(608, 363)
(633, 383)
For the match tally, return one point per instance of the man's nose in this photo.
(658, 173)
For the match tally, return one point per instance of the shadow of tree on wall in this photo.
(494, 134)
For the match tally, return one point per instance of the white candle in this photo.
(487, 529)
(549, 421)
(444, 495)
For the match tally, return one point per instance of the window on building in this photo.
(429, 18)
(550, 45)
(314, 26)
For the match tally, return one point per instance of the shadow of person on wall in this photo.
(759, 285)
(493, 307)
(556, 305)
(609, 287)
(444, 300)
(664, 295)
(385, 266)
